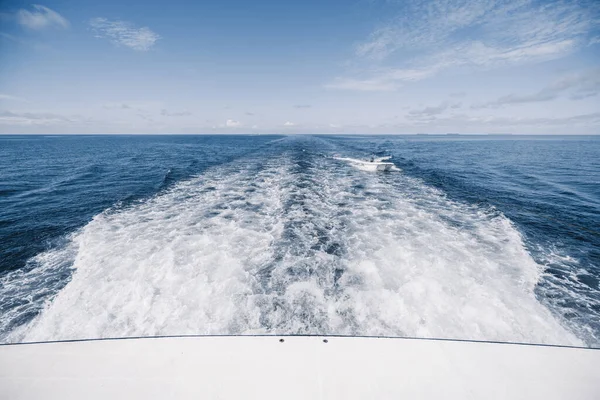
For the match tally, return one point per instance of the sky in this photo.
(328, 66)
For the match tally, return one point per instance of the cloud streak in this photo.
(578, 86)
(233, 124)
(430, 37)
(8, 97)
(432, 111)
(124, 33)
(41, 17)
(465, 121)
(384, 79)
(33, 118)
(166, 113)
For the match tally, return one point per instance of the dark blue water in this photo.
(63, 199)
(51, 185)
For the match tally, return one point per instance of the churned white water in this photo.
(294, 244)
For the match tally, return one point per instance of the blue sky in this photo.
(364, 66)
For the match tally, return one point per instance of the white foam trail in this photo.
(290, 248)
(22, 290)
(434, 268)
(176, 263)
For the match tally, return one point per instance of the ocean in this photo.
(473, 237)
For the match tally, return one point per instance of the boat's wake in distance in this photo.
(290, 242)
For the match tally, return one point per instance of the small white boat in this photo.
(376, 165)
(372, 164)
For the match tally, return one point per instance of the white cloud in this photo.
(289, 123)
(385, 79)
(542, 95)
(8, 97)
(578, 85)
(501, 24)
(431, 111)
(124, 34)
(117, 106)
(33, 118)
(233, 124)
(376, 84)
(41, 17)
(380, 44)
(509, 123)
(431, 36)
(167, 113)
(584, 123)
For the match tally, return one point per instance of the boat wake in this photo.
(291, 243)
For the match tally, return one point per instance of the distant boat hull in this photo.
(383, 166)
(378, 165)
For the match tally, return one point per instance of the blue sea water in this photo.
(477, 237)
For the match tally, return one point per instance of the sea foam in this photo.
(299, 243)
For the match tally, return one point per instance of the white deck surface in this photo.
(299, 368)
